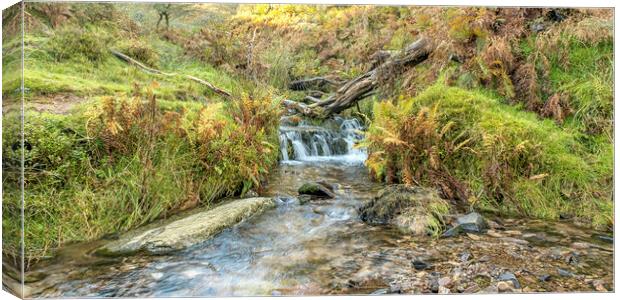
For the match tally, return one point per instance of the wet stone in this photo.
(420, 265)
(510, 277)
(443, 290)
(544, 277)
(381, 292)
(565, 273)
(444, 281)
(469, 223)
(472, 222)
(606, 238)
(505, 287)
(466, 256)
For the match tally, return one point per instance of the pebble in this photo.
(444, 281)
(494, 234)
(494, 225)
(511, 278)
(565, 273)
(598, 286)
(466, 256)
(544, 277)
(420, 265)
(380, 292)
(513, 232)
(504, 287)
(514, 241)
(579, 245)
(443, 290)
(605, 238)
(473, 236)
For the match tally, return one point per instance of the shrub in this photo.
(141, 51)
(475, 149)
(71, 42)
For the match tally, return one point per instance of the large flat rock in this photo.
(186, 231)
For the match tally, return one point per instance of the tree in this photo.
(167, 11)
(164, 12)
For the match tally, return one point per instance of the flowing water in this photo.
(322, 247)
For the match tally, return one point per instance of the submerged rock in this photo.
(186, 231)
(414, 210)
(317, 189)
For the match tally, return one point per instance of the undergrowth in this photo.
(491, 155)
(124, 161)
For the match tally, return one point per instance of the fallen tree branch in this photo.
(316, 83)
(364, 85)
(150, 70)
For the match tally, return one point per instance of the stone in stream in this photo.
(186, 231)
(420, 265)
(565, 273)
(317, 189)
(470, 223)
(511, 278)
(544, 277)
(505, 287)
(414, 210)
(466, 256)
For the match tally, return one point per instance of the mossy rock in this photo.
(412, 209)
(317, 189)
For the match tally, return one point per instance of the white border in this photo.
(496, 3)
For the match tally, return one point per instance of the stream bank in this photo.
(322, 247)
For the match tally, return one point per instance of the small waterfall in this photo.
(333, 141)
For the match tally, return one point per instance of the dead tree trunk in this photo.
(364, 85)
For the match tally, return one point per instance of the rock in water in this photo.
(317, 189)
(187, 231)
(414, 210)
(420, 265)
(470, 223)
(510, 277)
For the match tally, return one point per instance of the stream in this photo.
(321, 247)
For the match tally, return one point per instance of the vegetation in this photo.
(511, 112)
(489, 154)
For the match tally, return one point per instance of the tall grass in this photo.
(124, 161)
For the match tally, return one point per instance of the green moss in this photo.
(413, 209)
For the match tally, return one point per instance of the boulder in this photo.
(317, 189)
(415, 210)
(186, 231)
